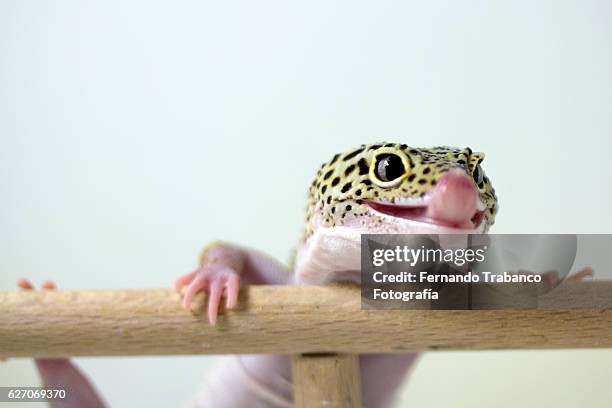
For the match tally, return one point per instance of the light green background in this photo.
(132, 133)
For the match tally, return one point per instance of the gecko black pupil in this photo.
(389, 167)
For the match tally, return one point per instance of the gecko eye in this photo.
(389, 167)
(478, 175)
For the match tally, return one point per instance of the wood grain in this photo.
(326, 380)
(285, 320)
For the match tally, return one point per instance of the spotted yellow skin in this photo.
(344, 183)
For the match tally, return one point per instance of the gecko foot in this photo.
(215, 279)
(586, 272)
(552, 277)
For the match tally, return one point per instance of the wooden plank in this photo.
(285, 320)
(326, 380)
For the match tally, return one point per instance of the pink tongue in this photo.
(454, 199)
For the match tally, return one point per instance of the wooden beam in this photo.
(285, 320)
(326, 380)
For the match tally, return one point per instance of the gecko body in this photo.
(373, 188)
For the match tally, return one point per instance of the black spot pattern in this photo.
(363, 166)
(353, 154)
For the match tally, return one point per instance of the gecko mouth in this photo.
(419, 213)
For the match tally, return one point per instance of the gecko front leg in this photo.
(223, 268)
(258, 380)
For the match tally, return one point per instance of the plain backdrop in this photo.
(133, 133)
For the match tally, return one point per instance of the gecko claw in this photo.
(232, 286)
(184, 280)
(586, 272)
(49, 285)
(195, 285)
(25, 284)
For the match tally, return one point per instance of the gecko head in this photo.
(395, 188)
